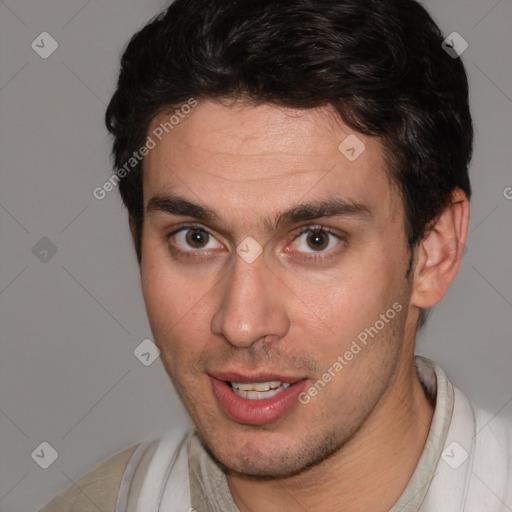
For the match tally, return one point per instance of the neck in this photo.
(371, 470)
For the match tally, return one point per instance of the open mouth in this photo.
(256, 403)
(258, 390)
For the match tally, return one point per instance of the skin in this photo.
(358, 441)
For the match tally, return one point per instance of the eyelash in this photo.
(196, 255)
(319, 257)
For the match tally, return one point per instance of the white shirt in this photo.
(465, 465)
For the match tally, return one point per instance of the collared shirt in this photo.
(466, 464)
(210, 491)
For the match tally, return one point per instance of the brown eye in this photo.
(195, 241)
(197, 238)
(318, 240)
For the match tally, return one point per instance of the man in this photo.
(295, 174)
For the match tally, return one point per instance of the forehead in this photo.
(265, 158)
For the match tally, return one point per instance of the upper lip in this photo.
(247, 378)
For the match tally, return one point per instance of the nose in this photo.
(252, 305)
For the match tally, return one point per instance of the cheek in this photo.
(349, 300)
(176, 304)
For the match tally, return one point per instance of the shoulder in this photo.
(489, 474)
(493, 447)
(97, 490)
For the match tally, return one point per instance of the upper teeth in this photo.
(259, 386)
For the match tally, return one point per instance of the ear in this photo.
(440, 253)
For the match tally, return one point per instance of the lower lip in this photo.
(256, 412)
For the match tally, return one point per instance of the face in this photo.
(273, 266)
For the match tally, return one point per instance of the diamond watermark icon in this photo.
(44, 250)
(352, 147)
(454, 455)
(147, 352)
(45, 455)
(455, 45)
(249, 250)
(44, 45)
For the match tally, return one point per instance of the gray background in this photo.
(70, 325)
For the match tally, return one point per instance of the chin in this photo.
(269, 462)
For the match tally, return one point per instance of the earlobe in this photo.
(440, 253)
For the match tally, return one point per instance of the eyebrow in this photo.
(333, 207)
